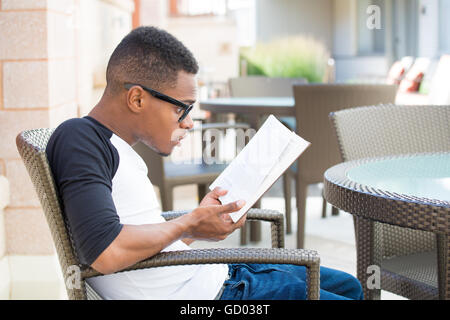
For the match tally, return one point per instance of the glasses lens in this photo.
(186, 112)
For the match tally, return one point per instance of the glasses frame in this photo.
(186, 107)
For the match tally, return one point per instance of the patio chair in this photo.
(262, 86)
(31, 145)
(383, 130)
(313, 103)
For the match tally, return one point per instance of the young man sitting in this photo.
(110, 203)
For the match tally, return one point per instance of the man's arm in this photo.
(138, 242)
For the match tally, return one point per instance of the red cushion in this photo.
(411, 82)
(395, 73)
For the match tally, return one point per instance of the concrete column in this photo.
(38, 89)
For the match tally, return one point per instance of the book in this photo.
(270, 152)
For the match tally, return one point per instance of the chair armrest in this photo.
(308, 258)
(274, 217)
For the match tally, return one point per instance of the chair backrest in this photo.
(376, 131)
(313, 103)
(31, 146)
(260, 86)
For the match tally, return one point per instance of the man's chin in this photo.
(164, 154)
(161, 153)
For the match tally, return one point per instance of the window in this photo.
(444, 26)
(197, 7)
(371, 27)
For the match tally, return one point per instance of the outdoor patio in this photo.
(366, 82)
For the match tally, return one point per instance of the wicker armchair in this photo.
(31, 145)
(408, 258)
(313, 103)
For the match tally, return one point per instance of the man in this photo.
(111, 206)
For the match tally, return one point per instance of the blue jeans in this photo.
(286, 282)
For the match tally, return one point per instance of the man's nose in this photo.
(187, 123)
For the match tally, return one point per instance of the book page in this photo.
(268, 154)
(247, 171)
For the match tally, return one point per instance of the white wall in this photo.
(428, 37)
(213, 41)
(101, 24)
(276, 18)
(344, 28)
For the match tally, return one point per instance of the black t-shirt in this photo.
(83, 162)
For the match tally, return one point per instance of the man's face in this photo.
(160, 129)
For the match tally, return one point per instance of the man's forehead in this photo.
(185, 86)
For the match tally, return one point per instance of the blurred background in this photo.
(53, 57)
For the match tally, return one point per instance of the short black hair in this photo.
(148, 56)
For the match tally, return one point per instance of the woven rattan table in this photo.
(411, 191)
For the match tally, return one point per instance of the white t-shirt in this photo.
(136, 203)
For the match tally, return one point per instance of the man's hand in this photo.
(213, 222)
(212, 198)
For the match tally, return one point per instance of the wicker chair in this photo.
(408, 258)
(262, 86)
(313, 103)
(31, 145)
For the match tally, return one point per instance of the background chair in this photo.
(261, 86)
(313, 103)
(384, 130)
(31, 145)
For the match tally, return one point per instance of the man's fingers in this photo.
(231, 207)
(219, 191)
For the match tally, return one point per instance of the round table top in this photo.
(394, 190)
(275, 105)
(423, 176)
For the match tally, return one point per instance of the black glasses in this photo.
(187, 108)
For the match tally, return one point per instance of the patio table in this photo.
(254, 108)
(410, 191)
(278, 106)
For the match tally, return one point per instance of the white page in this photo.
(250, 167)
(268, 154)
(294, 149)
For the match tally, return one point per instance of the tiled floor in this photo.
(332, 237)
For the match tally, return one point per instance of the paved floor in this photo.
(332, 237)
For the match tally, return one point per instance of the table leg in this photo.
(365, 256)
(443, 247)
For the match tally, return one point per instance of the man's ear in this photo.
(135, 99)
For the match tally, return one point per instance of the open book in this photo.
(262, 161)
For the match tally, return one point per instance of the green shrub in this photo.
(290, 57)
